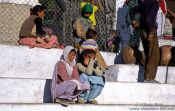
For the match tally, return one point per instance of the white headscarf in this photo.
(64, 58)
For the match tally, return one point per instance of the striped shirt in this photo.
(89, 44)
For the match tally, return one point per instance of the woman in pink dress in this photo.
(33, 34)
(66, 85)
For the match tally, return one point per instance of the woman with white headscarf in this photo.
(65, 82)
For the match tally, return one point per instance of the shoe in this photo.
(151, 81)
(92, 102)
(80, 101)
(64, 102)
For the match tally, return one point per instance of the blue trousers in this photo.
(96, 85)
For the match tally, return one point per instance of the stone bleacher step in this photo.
(38, 91)
(129, 73)
(161, 43)
(119, 72)
(38, 63)
(57, 107)
(22, 62)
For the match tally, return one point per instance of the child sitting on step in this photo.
(91, 44)
(92, 74)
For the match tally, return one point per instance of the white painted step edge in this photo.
(38, 91)
(57, 107)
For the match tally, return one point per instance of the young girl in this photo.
(90, 42)
(32, 33)
(90, 73)
(65, 83)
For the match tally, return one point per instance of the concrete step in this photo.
(119, 72)
(38, 91)
(38, 63)
(129, 73)
(57, 107)
(22, 62)
(161, 43)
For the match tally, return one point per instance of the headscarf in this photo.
(64, 59)
(87, 9)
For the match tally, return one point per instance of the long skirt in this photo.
(31, 42)
(69, 90)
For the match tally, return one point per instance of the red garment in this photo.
(31, 42)
(163, 7)
(62, 74)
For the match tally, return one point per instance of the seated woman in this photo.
(90, 73)
(81, 25)
(32, 33)
(65, 82)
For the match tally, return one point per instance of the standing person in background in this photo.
(148, 10)
(161, 18)
(171, 11)
(95, 9)
(173, 22)
(169, 25)
(123, 28)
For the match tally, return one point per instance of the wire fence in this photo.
(60, 15)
